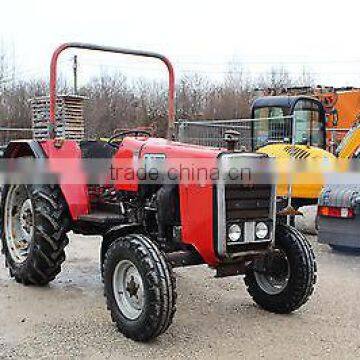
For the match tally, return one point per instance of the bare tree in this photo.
(116, 103)
(305, 78)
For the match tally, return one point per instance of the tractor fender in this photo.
(20, 148)
(76, 195)
(114, 233)
(65, 159)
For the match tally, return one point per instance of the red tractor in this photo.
(150, 227)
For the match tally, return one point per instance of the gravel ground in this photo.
(215, 318)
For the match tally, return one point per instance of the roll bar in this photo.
(148, 54)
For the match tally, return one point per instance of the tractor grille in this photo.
(247, 202)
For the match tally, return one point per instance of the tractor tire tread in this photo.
(51, 224)
(161, 286)
(302, 280)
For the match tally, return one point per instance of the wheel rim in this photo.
(19, 223)
(273, 282)
(128, 289)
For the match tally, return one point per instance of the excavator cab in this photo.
(274, 118)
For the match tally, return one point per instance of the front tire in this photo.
(35, 221)
(284, 281)
(140, 287)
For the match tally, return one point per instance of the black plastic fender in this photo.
(19, 148)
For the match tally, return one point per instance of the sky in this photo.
(197, 35)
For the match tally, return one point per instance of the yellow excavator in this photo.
(293, 127)
(350, 144)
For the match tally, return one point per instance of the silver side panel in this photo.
(221, 221)
(340, 196)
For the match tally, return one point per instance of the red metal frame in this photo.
(149, 54)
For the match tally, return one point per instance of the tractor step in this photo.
(102, 218)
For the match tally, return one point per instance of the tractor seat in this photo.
(96, 149)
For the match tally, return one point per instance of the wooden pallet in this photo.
(69, 117)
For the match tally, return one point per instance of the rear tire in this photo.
(34, 222)
(140, 287)
(288, 286)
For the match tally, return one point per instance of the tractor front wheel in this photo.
(140, 287)
(284, 279)
(35, 221)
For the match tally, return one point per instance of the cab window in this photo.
(270, 125)
(309, 127)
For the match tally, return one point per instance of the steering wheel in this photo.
(121, 134)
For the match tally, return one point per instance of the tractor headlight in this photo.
(234, 232)
(261, 230)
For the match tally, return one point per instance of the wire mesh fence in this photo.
(211, 133)
(253, 133)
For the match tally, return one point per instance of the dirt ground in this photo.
(215, 318)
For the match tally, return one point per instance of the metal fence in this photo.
(212, 132)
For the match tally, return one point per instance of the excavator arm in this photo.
(349, 144)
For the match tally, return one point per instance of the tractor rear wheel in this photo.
(140, 287)
(35, 221)
(284, 280)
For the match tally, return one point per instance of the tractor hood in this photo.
(174, 148)
(200, 164)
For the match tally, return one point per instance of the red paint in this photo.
(196, 197)
(66, 161)
(148, 54)
(125, 165)
(197, 218)
(53, 79)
